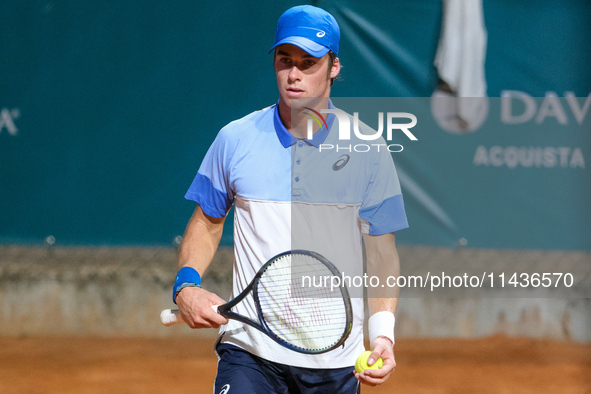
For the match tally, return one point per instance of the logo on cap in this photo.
(320, 34)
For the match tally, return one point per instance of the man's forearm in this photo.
(197, 249)
(383, 262)
(200, 241)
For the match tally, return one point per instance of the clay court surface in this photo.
(107, 365)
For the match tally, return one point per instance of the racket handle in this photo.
(171, 317)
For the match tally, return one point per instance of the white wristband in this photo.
(381, 324)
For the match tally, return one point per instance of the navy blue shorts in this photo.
(244, 373)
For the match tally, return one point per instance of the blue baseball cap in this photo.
(309, 28)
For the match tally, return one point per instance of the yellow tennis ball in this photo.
(361, 363)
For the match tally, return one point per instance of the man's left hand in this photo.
(381, 347)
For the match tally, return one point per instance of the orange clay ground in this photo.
(179, 365)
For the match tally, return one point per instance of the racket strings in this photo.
(300, 311)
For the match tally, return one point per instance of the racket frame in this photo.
(261, 325)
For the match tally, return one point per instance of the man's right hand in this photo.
(196, 304)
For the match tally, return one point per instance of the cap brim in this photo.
(306, 44)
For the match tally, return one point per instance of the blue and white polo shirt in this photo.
(296, 194)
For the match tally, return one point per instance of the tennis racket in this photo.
(291, 309)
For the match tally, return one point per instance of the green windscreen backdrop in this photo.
(107, 109)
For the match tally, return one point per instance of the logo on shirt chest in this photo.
(341, 162)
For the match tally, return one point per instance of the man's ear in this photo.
(336, 68)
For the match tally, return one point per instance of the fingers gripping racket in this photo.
(291, 309)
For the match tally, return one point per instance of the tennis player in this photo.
(288, 194)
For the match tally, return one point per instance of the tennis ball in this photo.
(361, 363)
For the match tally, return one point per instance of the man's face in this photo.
(300, 75)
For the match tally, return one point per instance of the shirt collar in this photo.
(288, 140)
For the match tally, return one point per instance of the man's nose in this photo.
(295, 74)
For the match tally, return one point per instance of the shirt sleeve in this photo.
(211, 187)
(382, 208)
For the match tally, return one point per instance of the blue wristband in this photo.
(185, 275)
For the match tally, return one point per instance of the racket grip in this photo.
(170, 317)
